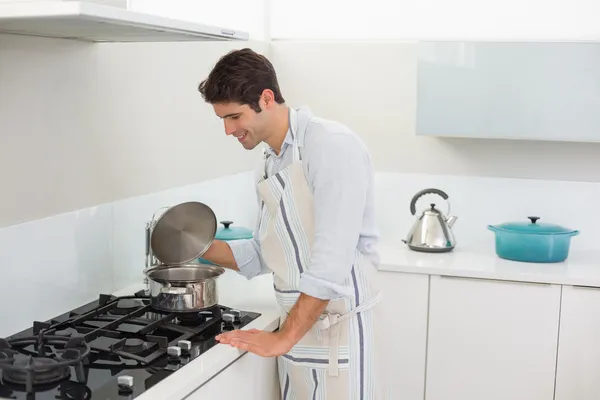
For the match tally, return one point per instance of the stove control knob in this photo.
(125, 381)
(229, 318)
(236, 314)
(185, 345)
(174, 351)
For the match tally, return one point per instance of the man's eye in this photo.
(235, 117)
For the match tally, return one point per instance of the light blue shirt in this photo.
(339, 172)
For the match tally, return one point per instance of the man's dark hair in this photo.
(240, 76)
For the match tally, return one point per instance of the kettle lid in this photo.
(432, 211)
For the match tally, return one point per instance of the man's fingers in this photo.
(228, 336)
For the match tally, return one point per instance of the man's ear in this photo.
(267, 98)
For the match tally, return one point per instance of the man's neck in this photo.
(280, 129)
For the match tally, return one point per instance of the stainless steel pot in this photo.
(183, 287)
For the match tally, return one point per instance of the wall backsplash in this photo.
(52, 265)
(69, 259)
(482, 201)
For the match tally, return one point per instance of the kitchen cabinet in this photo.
(578, 365)
(401, 333)
(250, 377)
(492, 340)
(509, 90)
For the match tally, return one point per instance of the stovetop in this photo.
(112, 348)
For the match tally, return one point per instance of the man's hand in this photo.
(301, 318)
(262, 343)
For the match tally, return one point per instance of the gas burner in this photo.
(126, 306)
(134, 345)
(47, 371)
(19, 366)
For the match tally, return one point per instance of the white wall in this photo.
(371, 86)
(435, 19)
(83, 124)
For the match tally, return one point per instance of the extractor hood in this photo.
(90, 21)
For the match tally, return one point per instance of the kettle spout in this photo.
(451, 220)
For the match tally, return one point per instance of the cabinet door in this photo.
(491, 340)
(578, 367)
(250, 377)
(401, 334)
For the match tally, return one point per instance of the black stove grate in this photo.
(115, 334)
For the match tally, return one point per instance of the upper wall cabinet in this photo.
(509, 90)
(107, 21)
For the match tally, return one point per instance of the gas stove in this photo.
(111, 348)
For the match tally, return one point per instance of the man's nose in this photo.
(230, 128)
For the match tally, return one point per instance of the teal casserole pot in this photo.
(227, 232)
(531, 241)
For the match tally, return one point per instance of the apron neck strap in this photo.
(293, 123)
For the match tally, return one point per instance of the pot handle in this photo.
(423, 192)
(533, 219)
(226, 224)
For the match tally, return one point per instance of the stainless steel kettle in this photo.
(432, 231)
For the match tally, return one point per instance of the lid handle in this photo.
(227, 223)
(533, 219)
(423, 192)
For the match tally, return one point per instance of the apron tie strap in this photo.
(332, 322)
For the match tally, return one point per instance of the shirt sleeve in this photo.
(339, 170)
(248, 257)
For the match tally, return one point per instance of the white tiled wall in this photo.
(50, 265)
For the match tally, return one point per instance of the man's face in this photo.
(243, 123)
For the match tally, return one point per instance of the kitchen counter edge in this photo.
(581, 268)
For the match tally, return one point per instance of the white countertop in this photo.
(581, 268)
(207, 365)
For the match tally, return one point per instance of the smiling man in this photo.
(315, 233)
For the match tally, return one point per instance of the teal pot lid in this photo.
(533, 227)
(229, 232)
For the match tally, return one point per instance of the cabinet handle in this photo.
(496, 280)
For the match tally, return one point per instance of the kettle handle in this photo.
(423, 192)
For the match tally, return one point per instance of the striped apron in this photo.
(335, 359)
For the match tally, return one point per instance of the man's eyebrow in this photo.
(231, 115)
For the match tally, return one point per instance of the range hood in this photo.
(95, 22)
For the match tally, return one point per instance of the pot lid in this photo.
(228, 232)
(533, 227)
